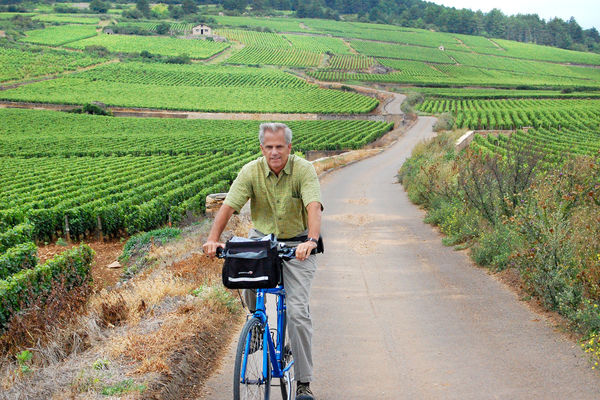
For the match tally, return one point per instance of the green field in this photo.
(270, 56)
(464, 93)
(389, 50)
(184, 88)
(167, 46)
(59, 35)
(29, 62)
(133, 179)
(253, 38)
(558, 127)
(351, 62)
(193, 75)
(67, 19)
(429, 74)
(318, 44)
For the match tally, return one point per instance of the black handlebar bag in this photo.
(251, 263)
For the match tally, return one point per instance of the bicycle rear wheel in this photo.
(251, 382)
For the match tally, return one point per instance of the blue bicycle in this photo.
(264, 353)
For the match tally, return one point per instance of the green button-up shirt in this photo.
(277, 203)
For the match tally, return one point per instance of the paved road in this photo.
(399, 316)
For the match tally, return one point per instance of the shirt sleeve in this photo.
(240, 190)
(310, 188)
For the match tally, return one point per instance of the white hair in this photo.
(274, 127)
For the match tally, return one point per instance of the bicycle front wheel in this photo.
(252, 371)
(287, 382)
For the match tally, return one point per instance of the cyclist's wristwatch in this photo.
(315, 241)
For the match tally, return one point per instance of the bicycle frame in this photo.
(275, 349)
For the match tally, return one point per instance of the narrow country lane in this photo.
(399, 316)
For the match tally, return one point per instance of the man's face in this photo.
(276, 150)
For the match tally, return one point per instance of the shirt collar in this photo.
(287, 169)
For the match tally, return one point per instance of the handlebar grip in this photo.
(220, 252)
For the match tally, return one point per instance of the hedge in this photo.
(20, 290)
(16, 235)
(21, 256)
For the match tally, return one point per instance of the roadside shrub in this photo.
(445, 122)
(141, 242)
(494, 246)
(431, 170)
(517, 210)
(494, 184)
(412, 99)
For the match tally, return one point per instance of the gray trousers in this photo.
(297, 278)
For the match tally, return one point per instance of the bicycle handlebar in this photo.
(283, 251)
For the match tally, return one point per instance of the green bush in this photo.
(17, 234)
(71, 268)
(495, 245)
(138, 243)
(21, 256)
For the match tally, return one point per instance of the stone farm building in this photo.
(202, 29)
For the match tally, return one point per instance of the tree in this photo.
(99, 6)
(162, 28)
(239, 5)
(143, 7)
(189, 7)
(160, 11)
(495, 23)
(176, 12)
(575, 30)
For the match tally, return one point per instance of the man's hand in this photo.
(303, 250)
(210, 247)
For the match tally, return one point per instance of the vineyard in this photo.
(318, 44)
(136, 180)
(176, 27)
(192, 87)
(193, 75)
(555, 128)
(258, 39)
(23, 281)
(167, 46)
(416, 37)
(469, 93)
(60, 35)
(94, 175)
(67, 19)
(268, 56)
(389, 50)
(84, 89)
(430, 74)
(28, 62)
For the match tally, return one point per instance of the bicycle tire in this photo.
(286, 384)
(254, 387)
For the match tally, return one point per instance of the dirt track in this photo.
(399, 316)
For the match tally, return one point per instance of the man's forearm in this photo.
(314, 219)
(221, 219)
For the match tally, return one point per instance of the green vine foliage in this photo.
(28, 285)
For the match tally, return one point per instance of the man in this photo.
(285, 199)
